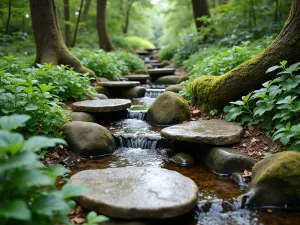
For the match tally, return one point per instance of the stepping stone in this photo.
(172, 79)
(137, 192)
(140, 77)
(102, 105)
(210, 132)
(162, 71)
(119, 84)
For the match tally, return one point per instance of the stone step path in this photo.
(210, 132)
(139, 77)
(102, 105)
(137, 192)
(162, 71)
(119, 84)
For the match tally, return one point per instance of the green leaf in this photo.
(31, 178)
(273, 68)
(10, 142)
(283, 63)
(31, 107)
(55, 171)
(246, 98)
(36, 143)
(292, 68)
(71, 190)
(15, 209)
(44, 88)
(13, 122)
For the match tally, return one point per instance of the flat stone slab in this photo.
(101, 105)
(120, 84)
(162, 71)
(137, 77)
(210, 132)
(137, 192)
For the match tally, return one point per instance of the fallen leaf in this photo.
(55, 155)
(247, 174)
(266, 148)
(78, 220)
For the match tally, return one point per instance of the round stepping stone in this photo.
(120, 84)
(210, 132)
(137, 192)
(161, 71)
(102, 105)
(139, 77)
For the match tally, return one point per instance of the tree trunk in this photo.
(1, 8)
(105, 42)
(50, 47)
(8, 17)
(200, 8)
(67, 22)
(86, 10)
(214, 92)
(77, 24)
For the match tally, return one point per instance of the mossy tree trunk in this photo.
(105, 42)
(67, 22)
(215, 92)
(85, 13)
(200, 8)
(8, 17)
(50, 47)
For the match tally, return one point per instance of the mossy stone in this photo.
(168, 108)
(183, 159)
(102, 90)
(174, 88)
(100, 96)
(135, 92)
(172, 79)
(82, 116)
(276, 181)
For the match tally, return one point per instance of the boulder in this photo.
(209, 132)
(276, 181)
(82, 116)
(174, 88)
(183, 159)
(168, 108)
(225, 161)
(100, 96)
(89, 139)
(172, 79)
(135, 92)
(183, 78)
(102, 90)
(137, 192)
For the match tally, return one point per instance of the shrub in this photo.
(168, 52)
(137, 42)
(28, 188)
(121, 43)
(276, 106)
(132, 61)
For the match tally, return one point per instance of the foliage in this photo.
(276, 106)
(168, 52)
(215, 61)
(94, 219)
(137, 42)
(28, 191)
(121, 43)
(132, 61)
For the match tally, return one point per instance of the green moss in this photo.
(281, 168)
(102, 90)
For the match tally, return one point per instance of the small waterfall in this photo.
(153, 93)
(133, 114)
(138, 142)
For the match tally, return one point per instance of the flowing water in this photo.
(141, 145)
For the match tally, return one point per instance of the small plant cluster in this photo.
(109, 65)
(215, 61)
(276, 106)
(137, 42)
(168, 52)
(28, 191)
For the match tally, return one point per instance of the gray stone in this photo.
(162, 71)
(119, 84)
(239, 179)
(166, 152)
(137, 192)
(100, 96)
(102, 105)
(168, 108)
(82, 116)
(183, 78)
(183, 159)
(172, 79)
(135, 92)
(138, 77)
(102, 79)
(174, 88)
(276, 181)
(210, 132)
(225, 161)
(89, 139)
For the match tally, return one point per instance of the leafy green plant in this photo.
(168, 52)
(27, 188)
(275, 107)
(137, 42)
(94, 219)
(132, 61)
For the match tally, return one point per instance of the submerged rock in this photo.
(168, 108)
(82, 116)
(174, 88)
(276, 181)
(225, 161)
(89, 139)
(137, 192)
(210, 132)
(183, 159)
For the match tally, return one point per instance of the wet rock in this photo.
(166, 152)
(210, 132)
(89, 139)
(183, 78)
(82, 116)
(225, 161)
(173, 79)
(102, 105)
(239, 179)
(276, 181)
(137, 192)
(118, 84)
(168, 108)
(174, 88)
(140, 77)
(100, 96)
(135, 92)
(183, 159)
